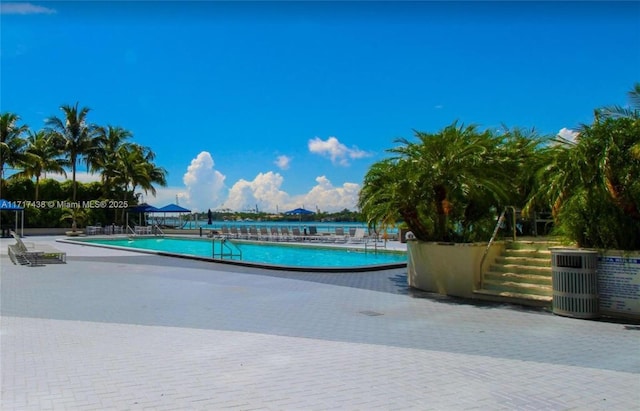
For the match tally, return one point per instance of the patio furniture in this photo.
(34, 255)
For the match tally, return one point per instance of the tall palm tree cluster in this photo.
(65, 142)
(452, 185)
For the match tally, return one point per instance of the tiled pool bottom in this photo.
(296, 257)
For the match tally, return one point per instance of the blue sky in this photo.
(287, 104)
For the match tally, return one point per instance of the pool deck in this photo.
(118, 330)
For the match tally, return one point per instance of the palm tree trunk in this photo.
(628, 206)
(411, 218)
(443, 209)
(74, 224)
(73, 171)
(124, 210)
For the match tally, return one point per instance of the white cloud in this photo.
(568, 134)
(328, 198)
(24, 8)
(204, 189)
(264, 192)
(81, 177)
(335, 150)
(204, 184)
(283, 162)
(165, 196)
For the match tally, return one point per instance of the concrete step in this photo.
(524, 260)
(521, 269)
(523, 252)
(496, 276)
(514, 298)
(521, 275)
(517, 287)
(532, 245)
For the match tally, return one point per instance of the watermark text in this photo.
(50, 204)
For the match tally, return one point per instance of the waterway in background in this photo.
(322, 227)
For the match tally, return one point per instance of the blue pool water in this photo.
(262, 253)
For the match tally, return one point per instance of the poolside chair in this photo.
(34, 255)
(285, 235)
(244, 233)
(358, 236)
(20, 256)
(225, 231)
(313, 234)
(93, 230)
(234, 232)
(275, 234)
(253, 233)
(264, 234)
(296, 234)
(142, 229)
(339, 236)
(112, 229)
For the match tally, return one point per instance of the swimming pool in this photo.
(267, 255)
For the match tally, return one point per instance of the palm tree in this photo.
(607, 145)
(632, 111)
(76, 215)
(12, 143)
(521, 155)
(385, 197)
(44, 157)
(109, 143)
(445, 186)
(74, 136)
(143, 172)
(592, 184)
(135, 168)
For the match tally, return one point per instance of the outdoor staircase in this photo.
(521, 275)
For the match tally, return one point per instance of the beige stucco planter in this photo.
(448, 268)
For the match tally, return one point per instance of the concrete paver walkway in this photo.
(117, 330)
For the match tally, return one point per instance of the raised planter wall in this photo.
(448, 268)
(46, 231)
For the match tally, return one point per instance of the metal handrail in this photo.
(495, 233)
(157, 230)
(225, 244)
(513, 223)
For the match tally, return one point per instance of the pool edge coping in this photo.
(312, 269)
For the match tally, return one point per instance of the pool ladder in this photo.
(224, 249)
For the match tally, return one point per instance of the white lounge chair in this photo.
(19, 253)
(296, 234)
(253, 233)
(313, 234)
(339, 236)
(285, 235)
(275, 234)
(358, 236)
